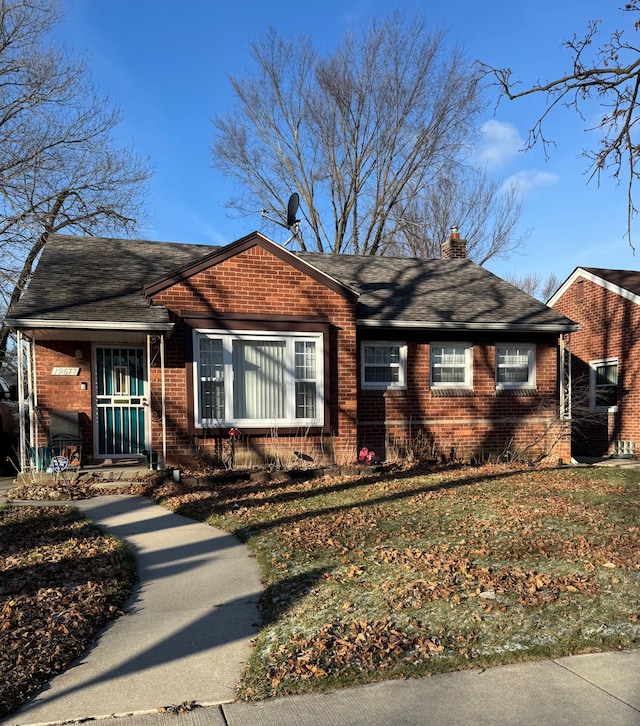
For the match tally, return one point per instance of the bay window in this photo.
(258, 379)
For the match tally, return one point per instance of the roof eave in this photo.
(499, 327)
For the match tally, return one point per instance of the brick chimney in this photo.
(454, 248)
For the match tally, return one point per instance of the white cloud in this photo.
(529, 179)
(500, 143)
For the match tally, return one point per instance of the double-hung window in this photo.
(603, 384)
(258, 379)
(515, 366)
(451, 365)
(383, 365)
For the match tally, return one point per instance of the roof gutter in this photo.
(502, 327)
(33, 323)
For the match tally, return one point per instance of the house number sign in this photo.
(62, 371)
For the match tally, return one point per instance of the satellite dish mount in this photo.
(293, 224)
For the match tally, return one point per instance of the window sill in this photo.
(383, 389)
(518, 392)
(216, 432)
(452, 393)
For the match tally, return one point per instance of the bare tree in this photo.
(365, 134)
(608, 73)
(487, 214)
(534, 284)
(60, 168)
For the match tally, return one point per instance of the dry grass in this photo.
(407, 574)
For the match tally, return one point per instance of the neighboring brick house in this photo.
(605, 359)
(170, 347)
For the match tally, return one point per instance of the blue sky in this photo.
(166, 64)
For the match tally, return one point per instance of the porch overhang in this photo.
(89, 330)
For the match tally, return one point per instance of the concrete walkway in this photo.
(186, 635)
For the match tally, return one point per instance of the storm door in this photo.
(121, 402)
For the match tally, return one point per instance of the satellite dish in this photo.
(292, 210)
(293, 224)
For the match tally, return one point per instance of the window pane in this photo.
(211, 379)
(607, 396)
(305, 352)
(513, 375)
(379, 374)
(259, 379)
(513, 356)
(607, 374)
(381, 354)
(448, 355)
(305, 400)
(446, 374)
(212, 400)
(121, 380)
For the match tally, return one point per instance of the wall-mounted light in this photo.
(79, 354)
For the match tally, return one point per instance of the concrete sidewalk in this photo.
(186, 635)
(600, 689)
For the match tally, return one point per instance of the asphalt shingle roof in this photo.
(628, 279)
(435, 291)
(96, 279)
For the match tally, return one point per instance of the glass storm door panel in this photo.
(121, 401)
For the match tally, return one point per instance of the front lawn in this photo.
(372, 577)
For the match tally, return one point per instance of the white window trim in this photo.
(467, 384)
(290, 421)
(402, 366)
(531, 370)
(593, 365)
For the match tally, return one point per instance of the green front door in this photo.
(121, 401)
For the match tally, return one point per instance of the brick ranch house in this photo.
(605, 358)
(170, 347)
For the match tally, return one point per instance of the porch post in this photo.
(565, 377)
(164, 407)
(22, 444)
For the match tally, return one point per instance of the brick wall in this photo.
(256, 282)
(64, 393)
(483, 426)
(610, 329)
